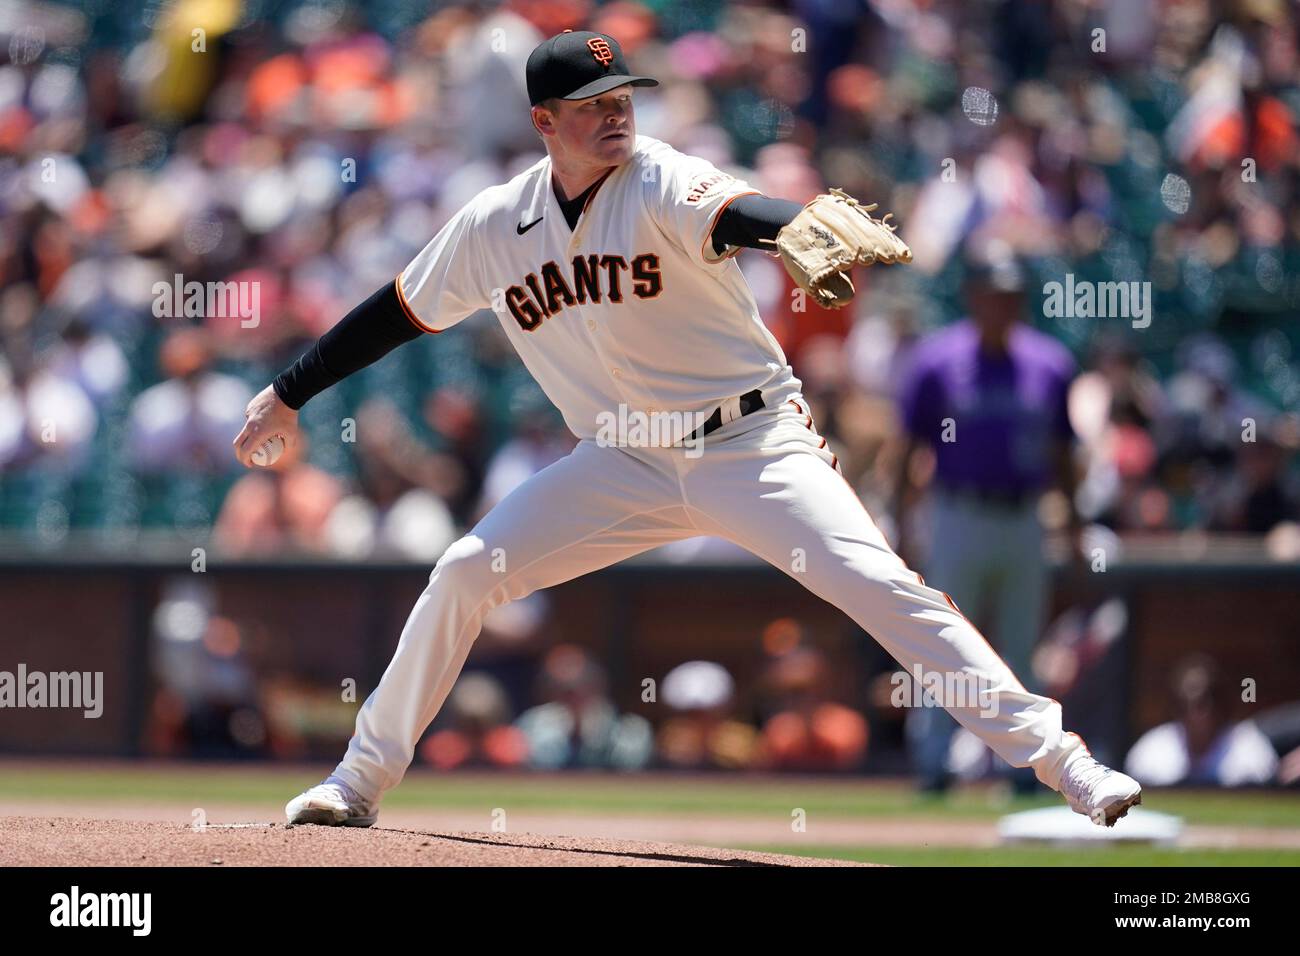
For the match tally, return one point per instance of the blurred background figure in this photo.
(1201, 746)
(90, 360)
(576, 724)
(702, 733)
(987, 397)
(806, 731)
(1204, 447)
(1281, 725)
(284, 509)
(476, 731)
(399, 509)
(453, 416)
(1259, 494)
(1119, 410)
(207, 702)
(541, 438)
(46, 421)
(183, 423)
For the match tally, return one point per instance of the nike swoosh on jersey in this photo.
(521, 228)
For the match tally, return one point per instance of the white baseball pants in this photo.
(767, 483)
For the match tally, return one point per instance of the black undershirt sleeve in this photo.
(362, 337)
(749, 219)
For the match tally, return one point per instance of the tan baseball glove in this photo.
(828, 237)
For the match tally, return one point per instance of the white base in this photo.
(1061, 825)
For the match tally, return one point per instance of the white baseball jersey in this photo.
(630, 308)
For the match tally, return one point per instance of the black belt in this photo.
(749, 402)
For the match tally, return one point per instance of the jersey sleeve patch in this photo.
(704, 185)
(684, 198)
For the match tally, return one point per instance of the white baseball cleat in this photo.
(1098, 792)
(331, 804)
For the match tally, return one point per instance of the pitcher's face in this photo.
(599, 131)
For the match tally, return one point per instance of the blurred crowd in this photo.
(525, 702)
(532, 702)
(307, 150)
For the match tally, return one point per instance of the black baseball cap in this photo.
(578, 64)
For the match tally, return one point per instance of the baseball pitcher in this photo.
(611, 266)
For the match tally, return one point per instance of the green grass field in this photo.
(732, 797)
(1040, 856)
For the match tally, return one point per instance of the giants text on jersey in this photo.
(630, 309)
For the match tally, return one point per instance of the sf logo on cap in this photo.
(600, 50)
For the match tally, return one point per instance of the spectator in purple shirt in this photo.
(988, 396)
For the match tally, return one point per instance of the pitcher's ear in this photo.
(542, 119)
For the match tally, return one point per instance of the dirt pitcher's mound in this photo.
(66, 841)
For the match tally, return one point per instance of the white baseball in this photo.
(269, 452)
